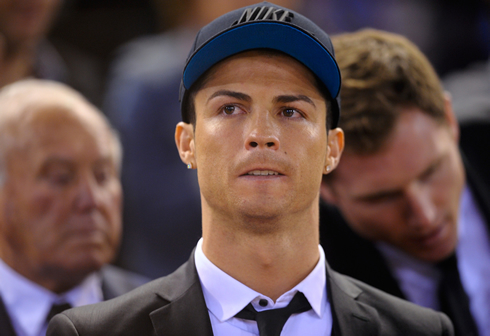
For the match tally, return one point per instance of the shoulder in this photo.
(116, 281)
(388, 314)
(124, 315)
(131, 313)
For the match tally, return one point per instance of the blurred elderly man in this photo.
(60, 206)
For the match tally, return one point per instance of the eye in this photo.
(229, 109)
(103, 173)
(430, 172)
(101, 176)
(291, 113)
(59, 177)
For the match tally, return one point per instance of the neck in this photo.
(270, 261)
(54, 279)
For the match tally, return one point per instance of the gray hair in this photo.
(17, 100)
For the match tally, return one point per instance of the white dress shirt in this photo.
(225, 297)
(473, 254)
(28, 304)
(419, 280)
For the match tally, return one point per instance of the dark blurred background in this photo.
(452, 33)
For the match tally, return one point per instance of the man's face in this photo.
(61, 201)
(260, 140)
(24, 20)
(408, 193)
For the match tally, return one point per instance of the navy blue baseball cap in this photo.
(263, 26)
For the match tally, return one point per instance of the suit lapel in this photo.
(350, 317)
(186, 313)
(6, 328)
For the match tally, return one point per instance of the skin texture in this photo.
(408, 193)
(60, 204)
(260, 112)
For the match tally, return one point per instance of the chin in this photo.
(437, 255)
(89, 261)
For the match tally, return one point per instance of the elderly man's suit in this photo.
(115, 282)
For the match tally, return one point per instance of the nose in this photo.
(87, 194)
(262, 132)
(421, 209)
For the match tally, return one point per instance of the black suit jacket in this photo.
(115, 282)
(352, 255)
(175, 306)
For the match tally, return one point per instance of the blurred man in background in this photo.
(417, 213)
(60, 206)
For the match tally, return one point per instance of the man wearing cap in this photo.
(259, 125)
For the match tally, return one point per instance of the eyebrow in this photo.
(291, 98)
(233, 94)
(379, 195)
(56, 160)
(397, 192)
(279, 99)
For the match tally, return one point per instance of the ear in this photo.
(184, 139)
(450, 116)
(335, 146)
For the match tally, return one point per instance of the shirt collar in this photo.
(226, 296)
(28, 303)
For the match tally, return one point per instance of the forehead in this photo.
(417, 142)
(52, 129)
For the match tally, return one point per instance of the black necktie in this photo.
(271, 322)
(56, 309)
(453, 299)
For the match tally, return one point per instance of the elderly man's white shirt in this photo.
(28, 304)
(225, 297)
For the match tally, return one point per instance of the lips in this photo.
(431, 237)
(262, 173)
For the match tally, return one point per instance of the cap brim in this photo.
(266, 35)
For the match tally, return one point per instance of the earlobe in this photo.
(184, 139)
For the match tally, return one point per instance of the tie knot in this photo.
(57, 308)
(271, 322)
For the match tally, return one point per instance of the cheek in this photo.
(112, 209)
(32, 225)
(375, 224)
(216, 145)
(311, 154)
